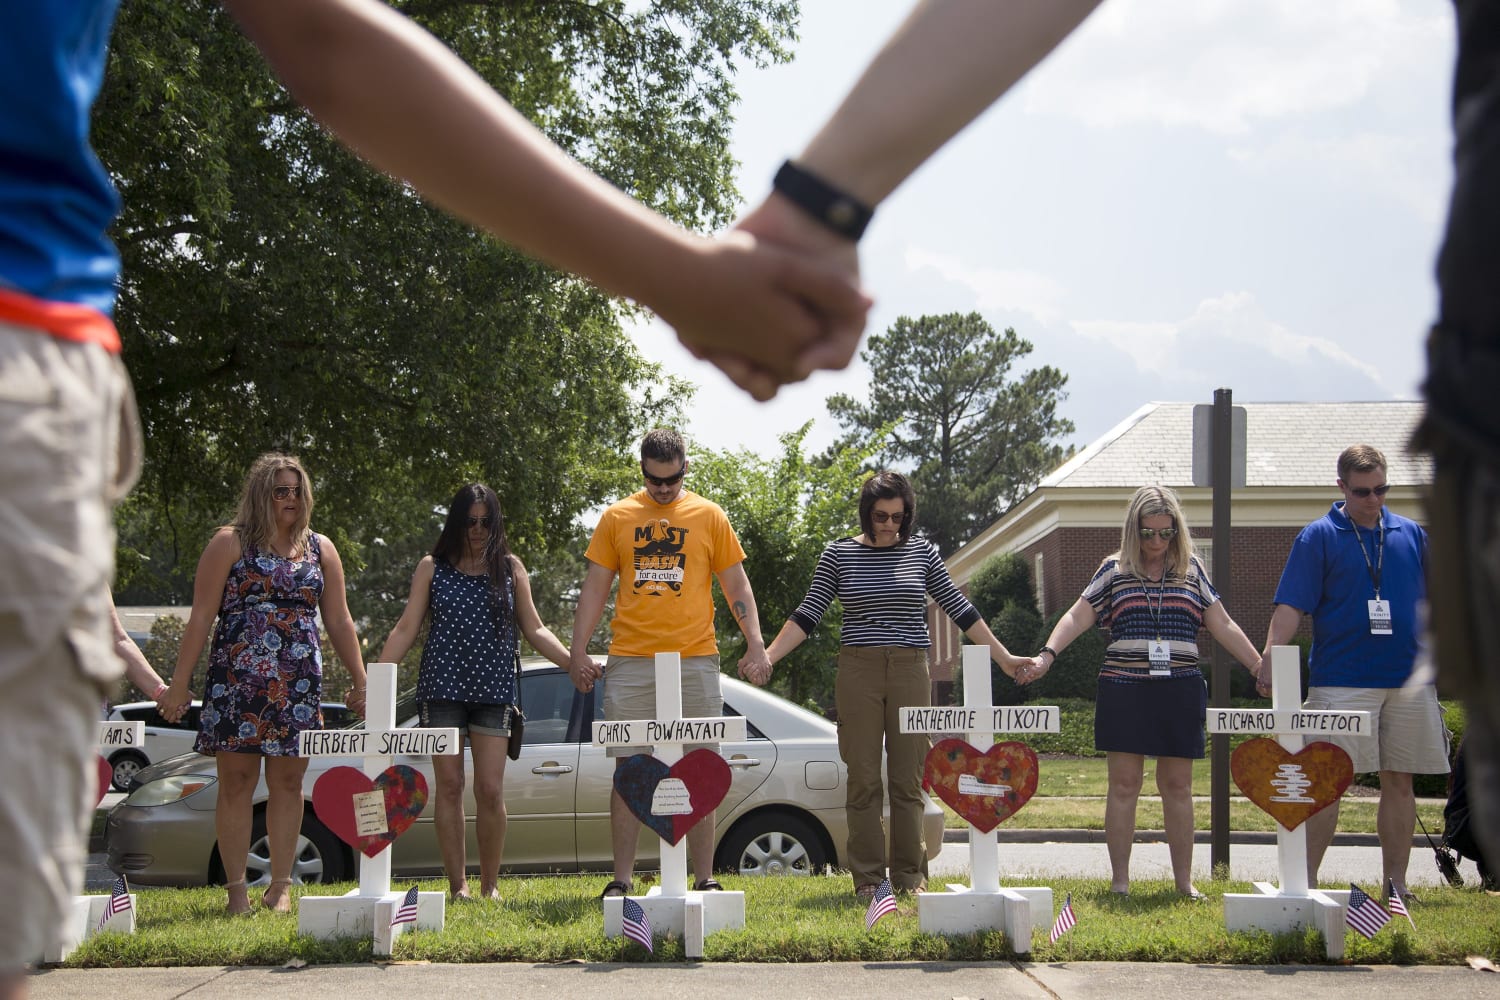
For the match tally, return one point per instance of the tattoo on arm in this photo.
(738, 610)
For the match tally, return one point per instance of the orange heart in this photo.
(1291, 786)
(986, 789)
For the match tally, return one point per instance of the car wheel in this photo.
(319, 854)
(774, 843)
(125, 764)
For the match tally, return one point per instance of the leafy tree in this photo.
(977, 439)
(1002, 579)
(1075, 673)
(785, 510)
(279, 294)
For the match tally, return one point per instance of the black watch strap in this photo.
(843, 213)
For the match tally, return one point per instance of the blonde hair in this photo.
(255, 521)
(1149, 501)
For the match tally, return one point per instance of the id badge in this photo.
(1160, 656)
(1380, 617)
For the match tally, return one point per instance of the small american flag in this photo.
(1396, 904)
(1066, 920)
(119, 902)
(883, 902)
(406, 913)
(637, 925)
(1365, 915)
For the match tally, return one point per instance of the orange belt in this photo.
(63, 320)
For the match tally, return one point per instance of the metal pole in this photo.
(1219, 688)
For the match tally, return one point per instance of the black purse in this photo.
(517, 720)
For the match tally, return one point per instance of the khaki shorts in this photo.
(69, 449)
(630, 693)
(1407, 732)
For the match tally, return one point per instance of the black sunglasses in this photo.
(881, 517)
(480, 522)
(1364, 491)
(671, 480)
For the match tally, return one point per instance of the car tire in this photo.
(319, 856)
(124, 766)
(773, 843)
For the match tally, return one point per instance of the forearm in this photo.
(981, 634)
(747, 615)
(1284, 622)
(345, 640)
(585, 619)
(398, 643)
(789, 638)
(949, 61)
(1228, 634)
(544, 642)
(193, 638)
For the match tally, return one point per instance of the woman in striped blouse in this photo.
(882, 578)
(1153, 596)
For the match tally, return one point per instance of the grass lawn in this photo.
(555, 918)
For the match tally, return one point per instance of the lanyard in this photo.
(1374, 570)
(1161, 600)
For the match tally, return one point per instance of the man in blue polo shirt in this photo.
(1359, 571)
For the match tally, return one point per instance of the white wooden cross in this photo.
(86, 918)
(984, 905)
(371, 908)
(670, 906)
(1292, 905)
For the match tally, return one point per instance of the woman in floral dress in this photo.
(265, 577)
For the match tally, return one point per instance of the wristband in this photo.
(1049, 649)
(840, 212)
(161, 689)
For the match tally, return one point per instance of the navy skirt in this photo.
(1154, 716)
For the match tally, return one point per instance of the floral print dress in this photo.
(265, 670)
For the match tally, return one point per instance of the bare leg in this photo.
(701, 846)
(13, 985)
(624, 832)
(283, 826)
(1174, 780)
(1320, 830)
(448, 821)
(1396, 823)
(1126, 772)
(238, 775)
(489, 808)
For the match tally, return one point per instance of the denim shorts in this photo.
(467, 717)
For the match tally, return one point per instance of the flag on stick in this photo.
(406, 913)
(1396, 904)
(119, 902)
(637, 925)
(1365, 915)
(1066, 920)
(883, 902)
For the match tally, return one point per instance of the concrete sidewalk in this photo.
(821, 981)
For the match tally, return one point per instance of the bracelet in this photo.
(840, 212)
(161, 689)
(1049, 649)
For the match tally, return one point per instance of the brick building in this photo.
(1072, 520)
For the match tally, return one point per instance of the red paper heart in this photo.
(405, 793)
(703, 772)
(106, 775)
(1291, 786)
(1002, 779)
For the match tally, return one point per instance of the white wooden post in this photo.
(670, 906)
(1293, 904)
(369, 909)
(83, 920)
(983, 904)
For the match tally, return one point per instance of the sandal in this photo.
(283, 903)
(866, 891)
(230, 887)
(708, 885)
(615, 888)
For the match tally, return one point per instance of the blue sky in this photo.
(1189, 194)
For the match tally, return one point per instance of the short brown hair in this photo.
(1360, 458)
(887, 486)
(663, 445)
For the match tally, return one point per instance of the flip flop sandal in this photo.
(708, 885)
(615, 889)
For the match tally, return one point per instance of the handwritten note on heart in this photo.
(702, 775)
(369, 814)
(986, 789)
(1291, 786)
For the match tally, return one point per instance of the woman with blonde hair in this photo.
(266, 576)
(1152, 596)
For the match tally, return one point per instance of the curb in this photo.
(961, 836)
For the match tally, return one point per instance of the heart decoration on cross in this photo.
(986, 788)
(1291, 786)
(106, 776)
(369, 813)
(671, 800)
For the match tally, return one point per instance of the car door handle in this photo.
(552, 769)
(744, 762)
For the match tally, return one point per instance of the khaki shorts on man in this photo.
(630, 693)
(1406, 728)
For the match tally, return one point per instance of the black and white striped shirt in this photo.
(883, 592)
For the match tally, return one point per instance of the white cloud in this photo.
(1029, 292)
(1401, 167)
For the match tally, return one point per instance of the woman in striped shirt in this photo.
(1153, 596)
(882, 578)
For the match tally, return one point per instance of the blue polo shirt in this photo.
(56, 201)
(1326, 576)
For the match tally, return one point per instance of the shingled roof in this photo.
(1287, 444)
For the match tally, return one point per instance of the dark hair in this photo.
(663, 445)
(887, 486)
(453, 541)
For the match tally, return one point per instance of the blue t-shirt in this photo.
(56, 200)
(1327, 577)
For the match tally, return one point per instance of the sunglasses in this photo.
(881, 517)
(1165, 534)
(480, 522)
(671, 480)
(286, 492)
(1364, 491)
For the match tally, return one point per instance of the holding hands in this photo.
(584, 670)
(755, 667)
